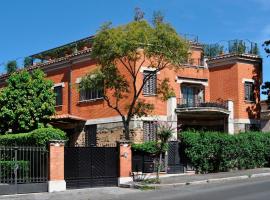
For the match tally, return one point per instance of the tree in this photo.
(266, 47)
(158, 17)
(164, 133)
(121, 52)
(266, 85)
(26, 102)
(28, 61)
(139, 14)
(11, 66)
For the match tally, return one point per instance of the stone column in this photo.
(125, 162)
(231, 117)
(56, 166)
(172, 116)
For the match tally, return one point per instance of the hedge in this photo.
(214, 152)
(147, 147)
(38, 137)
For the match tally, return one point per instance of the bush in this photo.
(8, 166)
(213, 151)
(38, 137)
(147, 147)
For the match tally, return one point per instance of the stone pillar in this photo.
(125, 162)
(172, 116)
(56, 166)
(231, 118)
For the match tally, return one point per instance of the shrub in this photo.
(213, 151)
(38, 137)
(8, 166)
(147, 147)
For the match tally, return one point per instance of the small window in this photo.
(150, 87)
(249, 91)
(58, 90)
(149, 131)
(90, 94)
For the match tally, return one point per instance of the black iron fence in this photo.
(184, 103)
(146, 162)
(20, 166)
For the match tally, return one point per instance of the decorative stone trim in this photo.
(59, 84)
(247, 80)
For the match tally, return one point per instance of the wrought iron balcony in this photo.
(185, 104)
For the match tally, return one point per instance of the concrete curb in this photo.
(206, 181)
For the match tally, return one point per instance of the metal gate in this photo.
(23, 170)
(91, 166)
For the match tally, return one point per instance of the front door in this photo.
(91, 135)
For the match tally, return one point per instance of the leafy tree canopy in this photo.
(11, 66)
(133, 45)
(26, 102)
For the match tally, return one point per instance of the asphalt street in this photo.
(248, 189)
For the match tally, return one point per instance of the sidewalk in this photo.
(176, 180)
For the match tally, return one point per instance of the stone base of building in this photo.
(246, 125)
(56, 186)
(265, 125)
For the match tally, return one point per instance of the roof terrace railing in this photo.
(231, 47)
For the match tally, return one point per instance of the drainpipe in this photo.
(69, 89)
(231, 117)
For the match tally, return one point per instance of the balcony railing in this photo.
(183, 103)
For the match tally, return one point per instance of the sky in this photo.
(31, 26)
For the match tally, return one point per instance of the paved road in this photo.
(249, 189)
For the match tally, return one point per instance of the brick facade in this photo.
(222, 78)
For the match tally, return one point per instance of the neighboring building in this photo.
(219, 93)
(265, 116)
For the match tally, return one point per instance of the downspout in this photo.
(69, 89)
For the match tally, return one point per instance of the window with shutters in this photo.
(58, 90)
(150, 87)
(90, 94)
(149, 130)
(249, 91)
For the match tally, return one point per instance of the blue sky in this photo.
(31, 26)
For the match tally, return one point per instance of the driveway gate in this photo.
(91, 166)
(23, 170)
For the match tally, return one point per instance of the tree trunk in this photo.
(159, 166)
(126, 129)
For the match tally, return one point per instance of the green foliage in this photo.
(28, 61)
(158, 17)
(213, 152)
(266, 45)
(38, 137)
(147, 147)
(212, 50)
(26, 102)
(139, 14)
(8, 166)
(128, 47)
(165, 90)
(237, 47)
(11, 66)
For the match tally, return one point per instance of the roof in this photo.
(68, 116)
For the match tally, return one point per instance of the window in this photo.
(249, 91)
(58, 93)
(150, 87)
(90, 94)
(149, 131)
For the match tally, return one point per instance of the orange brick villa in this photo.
(217, 91)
